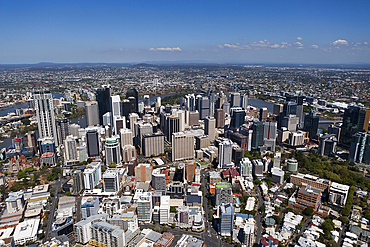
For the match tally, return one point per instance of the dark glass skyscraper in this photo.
(237, 119)
(311, 123)
(103, 98)
(92, 141)
(133, 93)
(355, 119)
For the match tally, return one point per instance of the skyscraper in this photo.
(134, 103)
(360, 148)
(237, 119)
(204, 107)
(212, 104)
(173, 126)
(62, 129)
(43, 101)
(225, 150)
(92, 140)
(92, 113)
(244, 101)
(182, 146)
(220, 118)
(210, 127)
(70, 151)
(235, 99)
(311, 123)
(257, 135)
(226, 219)
(146, 100)
(112, 150)
(263, 114)
(102, 96)
(355, 119)
(115, 106)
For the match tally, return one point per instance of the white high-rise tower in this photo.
(43, 101)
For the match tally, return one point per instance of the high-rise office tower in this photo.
(257, 135)
(299, 100)
(235, 99)
(355, 119)
(152, 144)
(360, 148)
(173, 126)
(225, 150)
(134, 104)
(102, 96)
(140, 107)
(146, 100)
(226, 107)
(62, 129)
(182, 146)
(128, 153)
(289, 108)
(118, 124)
(126, 137)
(204, 107)
(112, 150)
(181, 115)
(115, 106)
(328, 144)
(133, 118)
(263, 114)
(270, 131)
(43, 101)
(220, 118)
(192, 118)
(125, 107)
(70, 150)
(92, 141)
(237, 119)
(226, 219)
(278, 108)
(107, 119)
(311, 123)
(332, 129)
(92, 113)
(210, 127)
(244, 101)
(212, 104)
(221, 99)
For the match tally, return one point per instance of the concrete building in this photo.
(164, 210)
(104, 234)
(126, 137)
(223, 193)
(277, 175)
(225, 154)
(82, 228)
(158, 180)
(360, 148)
(89, 206)
(70, 151)
(44, 107)
(92, 142)
(112, 151)
(258, 168)
(300, 179)
(15, 202)
(92, 175)
(245, 167)
(292, 165)
(263, 114)
(144, 207)
(190, 170)
(235, 99)
(107, 119)
(143, 172)
(226, 219)
(328, 145)
(62, 130)
(153, 144)
(92, 113)
(182, 146)
(201, 142)
(220, 118)
(128, 152)
(296, 138)
(112, 180)
(210, 127)
(26, 231)
(338, 194)
(78, 181)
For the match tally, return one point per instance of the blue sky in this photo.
(273, 31)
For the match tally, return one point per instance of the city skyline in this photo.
(221, 32)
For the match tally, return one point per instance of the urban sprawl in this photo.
(184, 155)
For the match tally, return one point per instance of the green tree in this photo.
(308, 211)
(112, 164)
(21, 174)
(164, 229)
(157, 228)
(26, 121)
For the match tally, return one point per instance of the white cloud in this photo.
(275, 46)
(299, 38)
(314, 46)
(366, 43)
(300, 47)
(340, 42)
(231, 46)
(298, 43)
(165, 49)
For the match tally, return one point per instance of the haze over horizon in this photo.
(307, 32)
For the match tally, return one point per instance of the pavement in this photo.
(258, 217)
